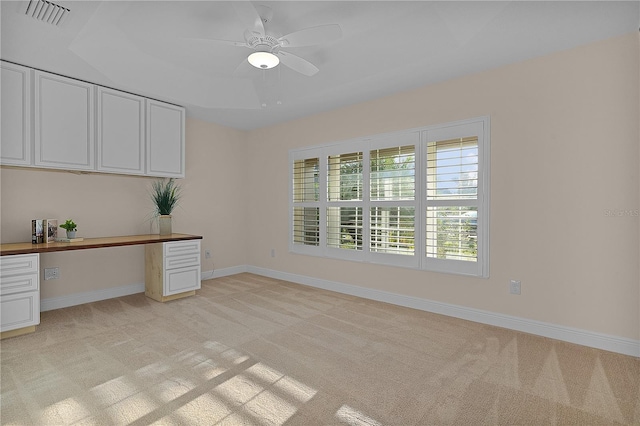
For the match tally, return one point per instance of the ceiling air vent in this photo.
(46, 11)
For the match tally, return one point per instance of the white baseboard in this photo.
(89, 296)
(568, 334)
(126, 290)
(224, 272)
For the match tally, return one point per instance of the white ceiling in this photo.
(386, 46)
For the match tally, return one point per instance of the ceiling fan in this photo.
(268, 46)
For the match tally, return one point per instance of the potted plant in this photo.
(71, 228)
(165, 195)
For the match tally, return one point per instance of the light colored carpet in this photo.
(249, 350)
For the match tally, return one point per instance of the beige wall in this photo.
(111, 205)
(564, 150)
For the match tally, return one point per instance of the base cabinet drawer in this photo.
(18, 284)
(181, 280)
(178, 248)
(19, 310)
(182, 261)
(19, 265)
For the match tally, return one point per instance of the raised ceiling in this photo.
(147, 47)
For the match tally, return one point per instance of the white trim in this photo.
(568, 334)
(89, 296)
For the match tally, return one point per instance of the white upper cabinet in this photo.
(56, 122)
(64, 122)
(15, 107)
(165, 139)
(121, 130)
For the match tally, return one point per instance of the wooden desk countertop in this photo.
(90, 243)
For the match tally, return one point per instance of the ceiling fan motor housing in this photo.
(264, 43)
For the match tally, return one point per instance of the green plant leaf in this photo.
(165, 195)
(69, 225)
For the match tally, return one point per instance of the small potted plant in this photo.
(165, 195)
(71, 228)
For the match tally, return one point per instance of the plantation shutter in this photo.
(417, 198)
(306, 210)
(393, 173)
(344, 201)
(453, 199)
(392, 190)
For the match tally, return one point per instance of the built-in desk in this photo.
(172, 270)
(91, 243)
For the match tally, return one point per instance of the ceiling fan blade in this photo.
(217, 41)
(312, 35)
(249, 16)
(243, 69)
(298, 64)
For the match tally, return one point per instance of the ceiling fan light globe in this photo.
(263, 60)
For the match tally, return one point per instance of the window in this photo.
(306, 214)
(393, 230)
(455, 201)
(306, 226)
(344, 189)
(452, 186)
(417, 198)
(392, 181)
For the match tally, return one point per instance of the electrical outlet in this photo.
(51, 273)
(207, 254)
(273, 252)
(514, 287)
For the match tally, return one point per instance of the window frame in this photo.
(418, 137)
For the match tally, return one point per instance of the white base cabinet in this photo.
(172, 269)
(19, 293)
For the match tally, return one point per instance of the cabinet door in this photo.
(19, 310)
(120, 132)
(165, 139)
(64, 117)
(15, 107)
(181, 280)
